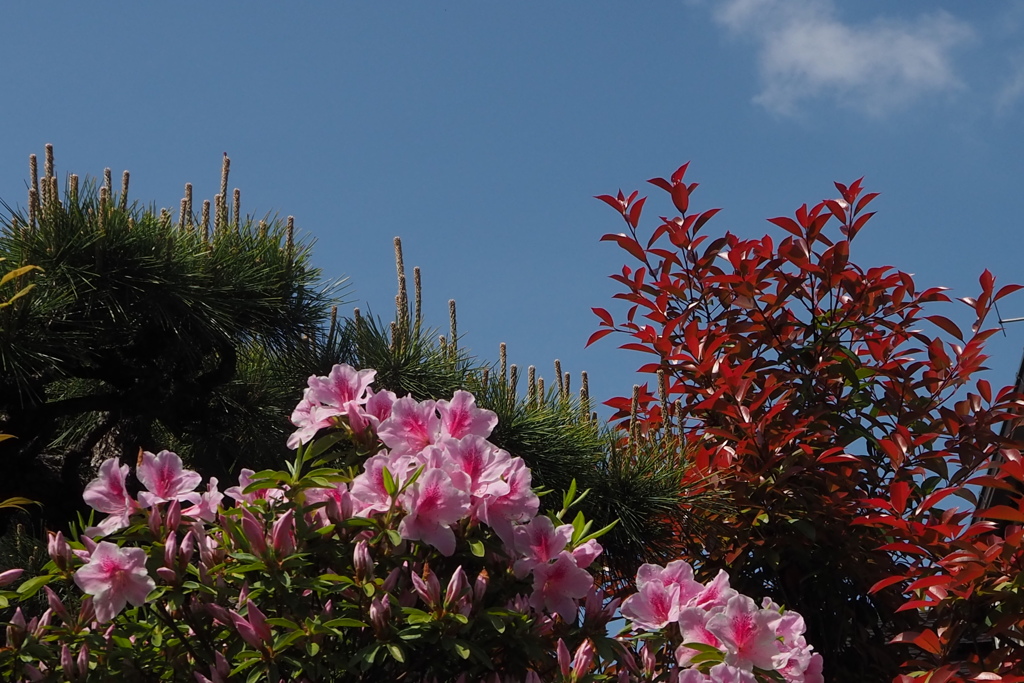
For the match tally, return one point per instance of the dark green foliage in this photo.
(143, 332)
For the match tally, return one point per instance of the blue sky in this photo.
(479, 132)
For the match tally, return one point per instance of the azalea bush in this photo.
(839, 406)
(399, 544)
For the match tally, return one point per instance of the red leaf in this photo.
(677, 177)
(627, 243)
(929, 581)
(929, 642)
(885, 583)
(864, 201)
(898, 492)
(662, 183)
(605, 316)
(681, 197)
(1006, 289)
(946, 324)
(934, 497)
(987, 281)
(1003, 512)
(598, 335)
(916, 604)
(611, 201)
(634, 212)
(633, 346)
(787, 224)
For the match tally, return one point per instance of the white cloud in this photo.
(1012, 90)
(806, 52)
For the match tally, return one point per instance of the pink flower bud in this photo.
(56, 605)
(59, 550)
(583, 660)
(394, 576)
(86, 612)
(253, 628)
(82, 661)
(282, 535)
(362, 562)
(16, 629)
(33, 673)
(187, 548)
(67, 663)
(173, 515)
(38, 626)
(380, 615)
(253, 531)
(429, 589)
(480, 586)
(456, 586)
(90, 546)
(564, 665)
(647, 659)
(10, 576)
(155, 521)
(170, 549)
(218, 613)
(259, 622)
(167, 574)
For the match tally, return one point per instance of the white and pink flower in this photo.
(114, 577)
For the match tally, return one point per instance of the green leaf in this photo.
(345, 622)
(599, 533)
(284, 623)
(396, 652)
(477, 548)
(394, 537)
(32, 586)
(389, 483)
(321, 445)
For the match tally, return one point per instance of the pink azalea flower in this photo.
(539, 542)
(653, 607)
(461, 417)
(433, 504)
(164, 478)
(692, 676)
(339, 503)
(716, 593)
(342, 385)
(107, 493)
(412, 426)
(559, 585)
(115, 576)
(586, 553)
(726, 673)
(747, 632)
(677, 573)
(379, 404)
(367, 489)
(310, 418)
(204, 506)
(693, 629)
(244, 479)
(483, 462)
(518, 505)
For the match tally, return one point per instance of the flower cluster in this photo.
(399, 540)
(713, 615)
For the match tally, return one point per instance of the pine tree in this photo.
(148, 330)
